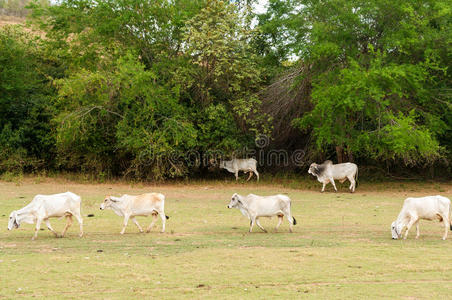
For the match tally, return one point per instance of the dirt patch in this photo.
(11, 20)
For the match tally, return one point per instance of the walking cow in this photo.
(129, 206)
(328, 172)
(43, 207)
(235, 165)
(253, 207)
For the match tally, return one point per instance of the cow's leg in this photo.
(68, 224)
(323, 187)
(280, 219)
(260, 226)
(352, 184)
(126, 220)
(38, 226)
(236, 175)
(409, 225)
(136, 223)
(154, 219)
(163, 217)
(417, 229)
(251, 174)
(252, 221)
(334, 185)
(78, 216)
(50, 227)
(291, 219)
(257, 174)
(446, 225)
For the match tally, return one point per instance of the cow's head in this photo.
(396, 230)
(235, 200)
(13, 222)
(314, 169)
(108, 201)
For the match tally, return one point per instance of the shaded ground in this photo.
(341, 247)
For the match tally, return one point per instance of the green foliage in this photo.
(381, 70)
(132, 87)
(223, 65)
(26, 140)
(121, 113)
(133, 97)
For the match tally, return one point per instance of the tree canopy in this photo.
(133, 88)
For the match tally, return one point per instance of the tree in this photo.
(223, 66)
(26, 139)
(379, 72)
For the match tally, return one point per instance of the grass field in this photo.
(341, 247)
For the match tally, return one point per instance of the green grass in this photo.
(341, 247)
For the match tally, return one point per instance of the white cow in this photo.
(43, 207)
(327, 172)
(235, 165)
(253, 207)
(128, 206)
(426, 208)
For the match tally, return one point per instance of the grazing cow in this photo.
(43, 207)
(128, 206)
(327, 172)
(253, 207)
(235, 165)
(426, 208)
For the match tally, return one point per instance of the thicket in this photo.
(148, 89)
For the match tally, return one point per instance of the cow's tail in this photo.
(166, 217)
(356, 177)
(450, 219)
(290, 210)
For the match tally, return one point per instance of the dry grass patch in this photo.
(341, 247)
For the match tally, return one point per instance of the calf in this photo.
(426, 208)
(327, 172)
(128, 206)
(43, 207)
(253, 207)
(235, 165)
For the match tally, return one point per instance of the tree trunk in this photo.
(340, 154)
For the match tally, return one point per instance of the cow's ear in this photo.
(316, 169)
